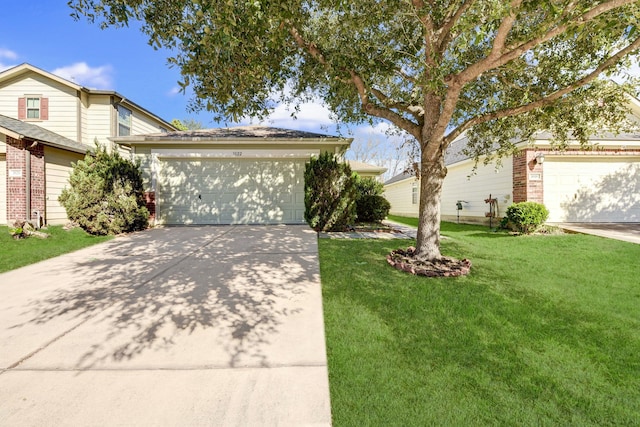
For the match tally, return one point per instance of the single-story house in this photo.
(600, 184)
(238, 175)
(366, 170)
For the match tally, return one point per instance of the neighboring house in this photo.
(366, 170)
(240, 175)
(46, 124)
(601, 184)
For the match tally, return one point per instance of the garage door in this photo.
(230, 191)
(592, 190)
(3, 189)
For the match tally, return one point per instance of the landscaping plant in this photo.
(527, 217)
(371, 206)
(329, 194)
(106, 194)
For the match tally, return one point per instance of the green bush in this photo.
(370, 205)
(372, 208)
(106, 194)
(526, 217)
(329, 194)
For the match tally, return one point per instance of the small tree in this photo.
(106, 195)
(329, 194)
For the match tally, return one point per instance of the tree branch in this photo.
(494, 61)
(544, 101)
(450, 21)
(383, 113)
(415, 110)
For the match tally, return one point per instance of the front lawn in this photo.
(544, 331)
(18, 253)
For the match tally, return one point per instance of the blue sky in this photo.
(42, 33)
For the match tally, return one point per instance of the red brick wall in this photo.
(150, 198)
(525, 188)
(16, 186)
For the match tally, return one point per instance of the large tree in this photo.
(498, 69)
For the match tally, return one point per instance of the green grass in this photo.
(544, 331)
(18, 253)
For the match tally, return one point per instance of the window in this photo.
(124, 121)
(33, 108)
(414, 193)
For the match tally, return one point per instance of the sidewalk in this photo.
(401, 231)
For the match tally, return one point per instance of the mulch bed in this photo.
(403, 260)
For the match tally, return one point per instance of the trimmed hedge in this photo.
(372, 208)
(527, 217)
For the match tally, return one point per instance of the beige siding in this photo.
(63, 107)
(399, 195)
(474, 189)
(142, 125)
(3, 189)
(98, 120)
(58, 168)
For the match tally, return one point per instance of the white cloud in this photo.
(174, 91)
(7, 54)
(82, 74)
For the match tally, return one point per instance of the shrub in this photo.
(372, 208)
(106, 194)
(370, 205)
(329, 194)
(527, 216)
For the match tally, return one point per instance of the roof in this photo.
(25, 67)
(400, 177)
(365, 167)
(21, 130)
(239, 133)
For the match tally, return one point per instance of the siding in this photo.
(142, 125)
(474, 189)
(63, 107)
(3, 189)
(58, 167)
(98, 118)
(399, 195)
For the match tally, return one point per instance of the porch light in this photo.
(540, 158)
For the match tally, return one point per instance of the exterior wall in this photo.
(527, 177)
(16, 164)
(98, 114)
(475, 189)
(142, 125)
(399, 195)
(58, 168)
(63, 107)
(3, 189)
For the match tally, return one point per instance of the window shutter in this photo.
(44, 108)
(22, 108)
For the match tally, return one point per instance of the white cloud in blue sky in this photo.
(6, 58)
(92, 77)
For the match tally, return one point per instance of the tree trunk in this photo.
(432, 174)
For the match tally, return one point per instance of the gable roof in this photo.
(25, 68)
(251, 134)
(21, 130)
(400, 177)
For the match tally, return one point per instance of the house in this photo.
(46, 124)
(238, 175)
(366, 170)
(601, 184)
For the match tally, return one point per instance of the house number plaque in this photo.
(15, 173)
(237, 153)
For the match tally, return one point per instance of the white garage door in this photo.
(231, 191)
(592, 190)
(3, 189)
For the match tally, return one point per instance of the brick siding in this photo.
(150, 199)
(16, 185)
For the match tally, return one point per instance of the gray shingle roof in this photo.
(239, 132)
(400, 177)
(36, 133)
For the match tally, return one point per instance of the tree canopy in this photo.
(497, 70)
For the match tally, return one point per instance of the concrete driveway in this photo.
(175, 326)
(628, 232)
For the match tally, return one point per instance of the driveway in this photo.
(628, 232)
(173, 326)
